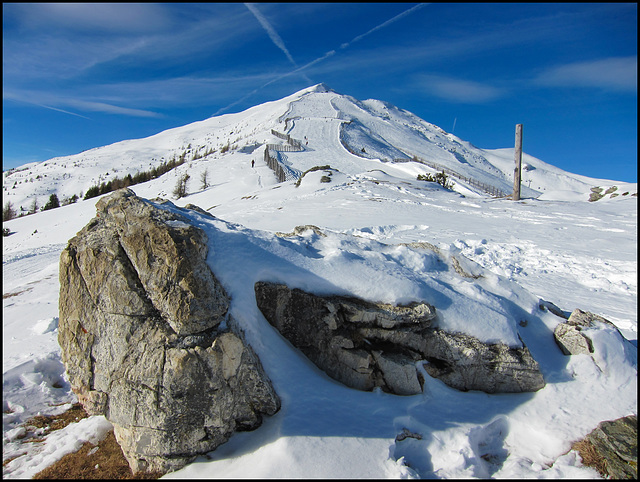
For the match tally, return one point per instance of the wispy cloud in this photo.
(40, 42)
(618, 74)
(110, 109)
(94, 17)
(55, 102)
(457, 90)
(7, 95)
(180, 91)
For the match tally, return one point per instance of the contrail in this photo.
(327, 55)
(275, 38)
(384, 24)
(279, 43)
(345, 45)
(32, 102)
(59, 110)
(273, 35)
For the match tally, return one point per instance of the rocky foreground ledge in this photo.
(147, 340)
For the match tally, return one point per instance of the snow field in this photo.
(573, 254)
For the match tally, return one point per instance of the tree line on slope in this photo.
(137, 178)
(9, 212)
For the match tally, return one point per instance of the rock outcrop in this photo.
(614, 445)
(465, 363)
(366, 345)
(569, 335)
(141, 337)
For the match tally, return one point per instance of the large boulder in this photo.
(139, 328)
(366, 345)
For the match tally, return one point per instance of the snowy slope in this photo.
(328, 125)
(573, 254)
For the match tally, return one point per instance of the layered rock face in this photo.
(615, 442)
(366, 345)
(139, 330)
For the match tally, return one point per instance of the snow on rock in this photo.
(46, 326)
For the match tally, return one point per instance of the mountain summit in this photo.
(321, 87)
(313, 127)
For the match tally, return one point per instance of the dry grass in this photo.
(15, 293)
(102, 461)
(51, 423)
(590, 457)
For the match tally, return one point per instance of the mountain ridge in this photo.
(352, 136)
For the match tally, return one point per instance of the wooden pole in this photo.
(517, 173)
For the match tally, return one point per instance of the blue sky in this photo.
(77, 76)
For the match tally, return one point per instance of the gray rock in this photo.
(616, 442)
(586, 319)
(139, 331)
(547, 305)
(361, 344)
(571, 341)
(168, 256)
(465, 363)
(298, 230)
(366, 345)
(569, 336)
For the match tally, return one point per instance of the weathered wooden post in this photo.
(517, 173)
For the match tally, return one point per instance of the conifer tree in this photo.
(34, 206)
(8, 212)
(204, 179)
(52, 203)
(181, 186)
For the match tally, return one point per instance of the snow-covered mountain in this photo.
(552, 246)
(349, 135)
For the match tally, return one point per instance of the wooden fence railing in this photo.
(294, 143)
(492, 190)
(282, 172)
(274, 165)
(283, 148)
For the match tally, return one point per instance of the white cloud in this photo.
(615, 73)
(38, 47)
(109, 108)
(104, 17)
(457, 90)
